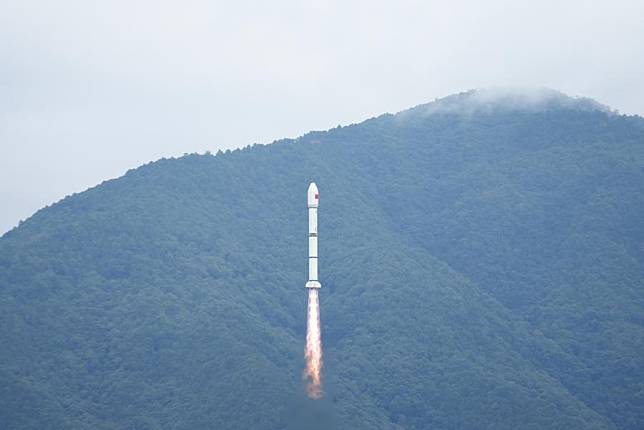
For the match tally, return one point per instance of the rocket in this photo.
(312, 201)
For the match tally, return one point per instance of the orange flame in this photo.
(313, 349)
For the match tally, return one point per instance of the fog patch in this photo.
(490, 100)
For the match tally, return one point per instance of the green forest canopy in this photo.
(481, 265)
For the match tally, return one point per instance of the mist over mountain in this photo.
(488, 100)
(481, 263)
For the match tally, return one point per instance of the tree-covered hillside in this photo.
(481, 260)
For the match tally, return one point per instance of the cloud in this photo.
(91, 89)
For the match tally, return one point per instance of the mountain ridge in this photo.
(513, 98)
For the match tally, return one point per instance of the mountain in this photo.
(481, 263)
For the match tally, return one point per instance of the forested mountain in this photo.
(481, 260)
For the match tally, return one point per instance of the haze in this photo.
(91, 89)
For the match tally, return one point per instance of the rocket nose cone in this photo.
(313, 196)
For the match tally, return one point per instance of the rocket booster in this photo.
(312, 201)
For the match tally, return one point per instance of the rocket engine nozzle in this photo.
(313, 284)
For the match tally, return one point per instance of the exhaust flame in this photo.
(313, 349)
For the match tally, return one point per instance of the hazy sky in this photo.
(89, 89)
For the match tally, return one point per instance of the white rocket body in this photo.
(312, 200)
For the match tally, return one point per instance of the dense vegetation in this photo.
(481, 261)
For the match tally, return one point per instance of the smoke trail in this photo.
(313, 349)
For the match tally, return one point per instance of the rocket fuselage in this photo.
(313, 199)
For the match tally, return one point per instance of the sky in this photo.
(90, 89)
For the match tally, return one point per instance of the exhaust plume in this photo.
(313, 348)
